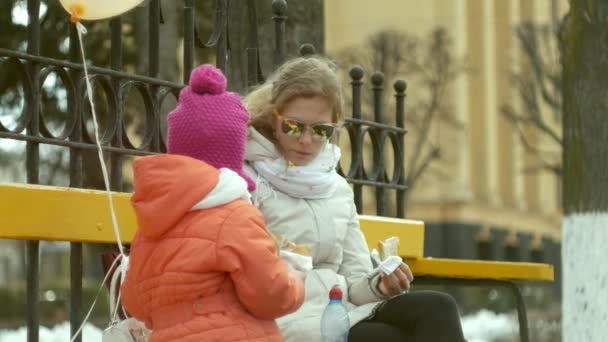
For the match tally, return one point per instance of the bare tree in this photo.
(584, 46)
(538, 82)
(432, 67)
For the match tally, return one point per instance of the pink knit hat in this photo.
(210, 124)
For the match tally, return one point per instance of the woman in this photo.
(293, 117)
(202, 265)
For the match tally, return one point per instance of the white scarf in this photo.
(316, 180)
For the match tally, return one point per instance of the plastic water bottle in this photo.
(334, 322)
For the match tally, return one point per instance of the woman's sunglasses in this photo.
(295, 128)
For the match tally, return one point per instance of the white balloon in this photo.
(98, 9)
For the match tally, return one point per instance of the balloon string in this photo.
(105, 279)
(82, 30)
(124, 263)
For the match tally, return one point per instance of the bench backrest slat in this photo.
(33, 212)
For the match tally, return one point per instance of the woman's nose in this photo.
(306, 137)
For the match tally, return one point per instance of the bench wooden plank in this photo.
(477, 269)
(409, 232)
(33, 212)
(67, 214)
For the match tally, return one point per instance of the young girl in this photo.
(294, 115)
(202, 265)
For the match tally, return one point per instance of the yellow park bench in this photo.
(32, 212)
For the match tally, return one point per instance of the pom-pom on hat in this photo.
(206, 79)
(209, 123)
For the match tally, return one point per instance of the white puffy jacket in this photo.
(330, 228)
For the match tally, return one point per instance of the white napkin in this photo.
(296, 263)
(390, 264)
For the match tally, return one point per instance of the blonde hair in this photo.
(299, 77)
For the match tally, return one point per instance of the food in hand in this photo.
(282, 243)
(388, 247)
(300, 249)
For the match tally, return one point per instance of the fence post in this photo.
(252, 51)
(154, 58)
(400, 87)
(279, 8)
(188, 39)
(379, 167)
(221, 50)
(32, 163)
(356, 74)
(307, 49)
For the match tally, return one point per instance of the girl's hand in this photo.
(397, 282)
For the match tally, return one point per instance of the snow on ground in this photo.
(487, 326)
(483, 326)
(58, 333)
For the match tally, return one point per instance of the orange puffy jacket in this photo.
(202, 265)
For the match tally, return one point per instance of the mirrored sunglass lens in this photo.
(322, 132)
(292, 128)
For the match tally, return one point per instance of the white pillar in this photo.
(517, 166)
(460, 187)
(490, 104)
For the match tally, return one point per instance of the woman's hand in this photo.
(397, 282)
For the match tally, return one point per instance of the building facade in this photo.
(490, 194)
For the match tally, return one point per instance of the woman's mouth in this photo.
(303, 154)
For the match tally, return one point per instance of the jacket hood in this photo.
(166, 187)
(259, 147)
(231, 186)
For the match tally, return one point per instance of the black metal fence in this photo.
(116, 84)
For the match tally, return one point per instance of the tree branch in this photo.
(434, 153)
(427, 118)
(517, 120)
(528, 95)
(553, 167)
(528, 38)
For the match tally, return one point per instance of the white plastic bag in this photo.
(126, 330)
(390, 264)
